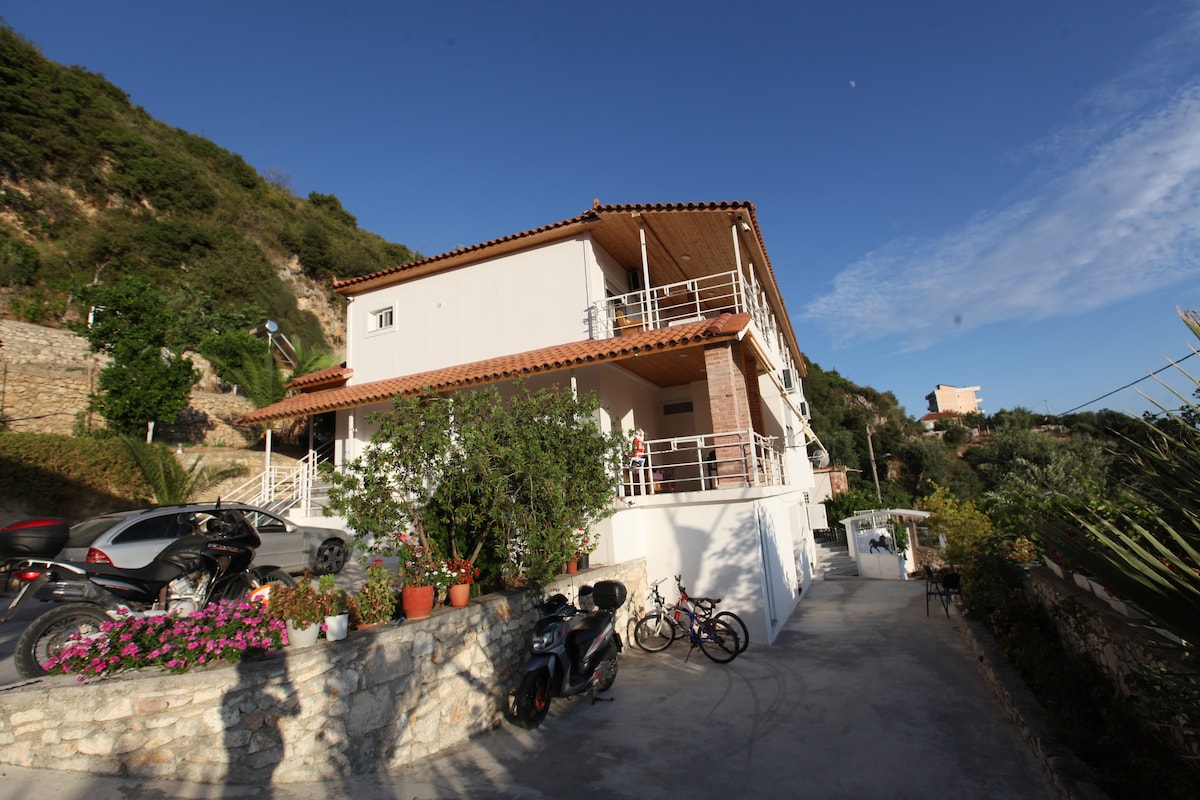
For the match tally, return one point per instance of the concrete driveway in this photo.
(862, 696)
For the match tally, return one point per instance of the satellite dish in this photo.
(272, 326)
(821, 459)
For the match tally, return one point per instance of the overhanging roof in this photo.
(683, 241)
(653, 355)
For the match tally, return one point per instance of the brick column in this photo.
(728, 398)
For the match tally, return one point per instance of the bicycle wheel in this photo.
(734, 621)
(654, 632)
(718, 641)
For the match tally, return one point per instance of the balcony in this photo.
(690, 300)
(703, 462)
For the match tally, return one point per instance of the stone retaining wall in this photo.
(46, 375)
(382, 698)
(1124, 647)
(1144, 663)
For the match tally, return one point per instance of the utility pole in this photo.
(874, 469)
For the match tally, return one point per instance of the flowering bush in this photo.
(1023, 550)
(462, 570)
(376, 601)
(301, 605)
(224, 631)
(585, 541)
(417, 560)
(444, 574)
(333, 600)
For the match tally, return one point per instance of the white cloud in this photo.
(1119, 217)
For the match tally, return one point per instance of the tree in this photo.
(964, 526)
(507, 482)
(145, 381)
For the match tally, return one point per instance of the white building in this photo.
(670, 314)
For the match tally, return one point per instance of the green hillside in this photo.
(93, 189)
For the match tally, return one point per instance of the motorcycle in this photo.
(573, 651)
(191, 572)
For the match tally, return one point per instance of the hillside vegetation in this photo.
(93, 189)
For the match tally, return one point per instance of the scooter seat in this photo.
(154, 572)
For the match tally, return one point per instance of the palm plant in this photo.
(169, 481)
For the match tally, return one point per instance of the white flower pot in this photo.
(337, 627)
(302, 637)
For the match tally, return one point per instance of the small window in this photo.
(381, 319)
(677, 408)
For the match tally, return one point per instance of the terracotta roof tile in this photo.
(348, 284)
(503, 368)
(322, 378)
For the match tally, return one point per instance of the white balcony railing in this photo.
(687, 301)
(704, 462)
(671, 304)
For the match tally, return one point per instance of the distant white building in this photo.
(954, 399)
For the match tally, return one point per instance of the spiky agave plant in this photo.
(1145, 546)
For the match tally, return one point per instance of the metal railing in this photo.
(687, 301)
(703, 462)
(282, 488)
(670, 304)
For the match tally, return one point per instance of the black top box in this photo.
(34, 538)
(609, 595)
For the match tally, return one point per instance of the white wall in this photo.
(752, 549)
(509, 304)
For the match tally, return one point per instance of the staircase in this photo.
(834, 561)
(282, 488)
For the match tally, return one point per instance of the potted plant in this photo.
(301, 607)
(375, 602)
(337, 608)
(584, 543)
(463, 573)
(417, 567)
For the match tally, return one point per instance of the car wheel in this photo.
(331, 557)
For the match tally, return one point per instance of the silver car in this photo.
(131, 539)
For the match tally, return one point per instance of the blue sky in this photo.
(1001, 194)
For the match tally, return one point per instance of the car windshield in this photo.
(84, 533)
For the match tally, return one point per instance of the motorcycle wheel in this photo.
(532, 702)
(47, 635)
(608, 674)
(280, 577)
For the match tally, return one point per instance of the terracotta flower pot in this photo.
(417, 601)
(460, 593)
(573, 566)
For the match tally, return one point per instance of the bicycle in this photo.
(708, 604)
(690, 617)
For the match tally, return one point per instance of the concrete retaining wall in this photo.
(380, 699)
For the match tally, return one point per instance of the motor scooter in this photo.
(573, 651)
